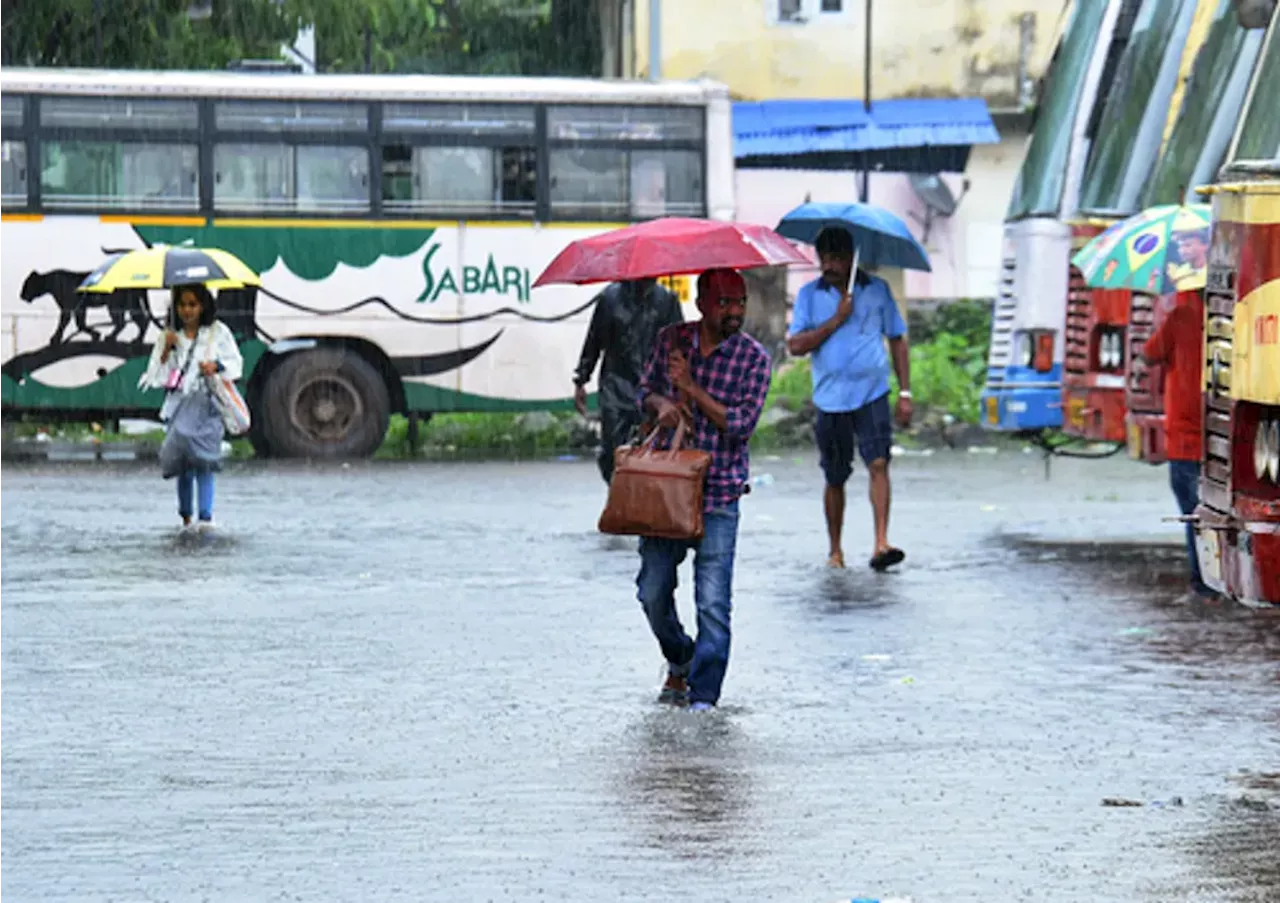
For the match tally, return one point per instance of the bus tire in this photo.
(257, 436)
(325, 403)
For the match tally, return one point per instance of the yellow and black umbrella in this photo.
(166, 267)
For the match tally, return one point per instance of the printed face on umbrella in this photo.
(1193, 248)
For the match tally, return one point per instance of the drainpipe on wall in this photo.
(655, 40)
(1026, 36)
(865, 193)
(627, 41)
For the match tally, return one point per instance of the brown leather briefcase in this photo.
(656, 492)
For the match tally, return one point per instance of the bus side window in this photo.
(13, 152)
(13, 172)
(588, 183)
(285, 155)
(519, 175)
(332, 178)
(625, 162)
(147, 162)
(458, 158)
(284, 177)
(252, 176)
(666, 183)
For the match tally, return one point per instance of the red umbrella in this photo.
(670, 246)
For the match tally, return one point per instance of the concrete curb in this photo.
(1110, 544)
(58, 450)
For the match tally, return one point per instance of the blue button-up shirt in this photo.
(851, 368)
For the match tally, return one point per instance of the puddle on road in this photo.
(689, 783)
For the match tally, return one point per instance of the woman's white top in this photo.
(212, 343)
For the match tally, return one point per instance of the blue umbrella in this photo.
(880, 238)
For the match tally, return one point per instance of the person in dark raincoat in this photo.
(626, 321)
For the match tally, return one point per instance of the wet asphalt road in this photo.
(433, 682)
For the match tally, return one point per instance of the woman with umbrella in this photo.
(195, 346)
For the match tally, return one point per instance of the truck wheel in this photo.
(325, 403)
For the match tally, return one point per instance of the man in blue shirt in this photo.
(844, 327)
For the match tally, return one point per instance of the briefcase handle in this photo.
(677, 440)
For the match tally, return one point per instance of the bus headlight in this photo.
(1266, 451)
(1110, 348)
(1273, 451)
(1022, 349)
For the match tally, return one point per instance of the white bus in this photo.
(1024, 374)
(398, 223)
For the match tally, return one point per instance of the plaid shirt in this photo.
(736, 374)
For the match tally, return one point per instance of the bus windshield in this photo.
(1038, 191)
(1260, 134)
(1210, 110)
(1132, 123)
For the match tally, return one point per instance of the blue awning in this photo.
(905, 135)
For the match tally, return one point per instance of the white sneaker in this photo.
(205, 526)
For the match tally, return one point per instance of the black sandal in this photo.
(887, 559)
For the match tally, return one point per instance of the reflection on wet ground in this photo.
(434, 682)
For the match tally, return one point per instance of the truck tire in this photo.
(326, 403)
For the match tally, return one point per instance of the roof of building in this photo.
(804, 131)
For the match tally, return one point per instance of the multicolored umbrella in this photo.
(1160, 250)
(164, 267)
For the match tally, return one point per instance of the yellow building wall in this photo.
(926, 48)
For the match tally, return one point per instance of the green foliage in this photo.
(142, 34)
(948, 365)
(477, 435)
(516, 37)
(481, 37)
(791, 386)
(969, 319)
(947, 374)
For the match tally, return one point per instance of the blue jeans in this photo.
(186, 483)
(1184, 478)
(702, 662)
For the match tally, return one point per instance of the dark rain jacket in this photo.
(624, 326)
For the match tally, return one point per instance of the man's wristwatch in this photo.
(904, 393)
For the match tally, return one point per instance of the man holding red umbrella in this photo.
(718, 376)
